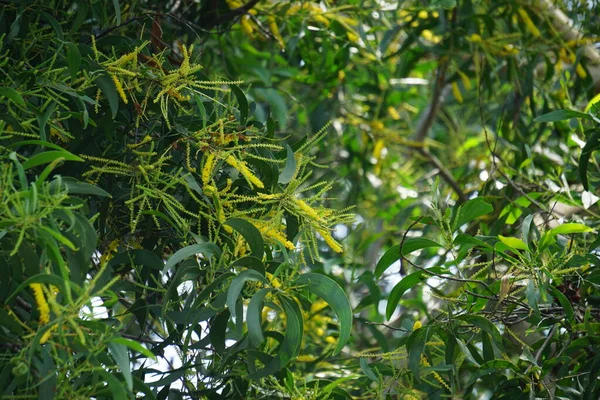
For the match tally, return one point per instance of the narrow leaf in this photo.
(328, 289)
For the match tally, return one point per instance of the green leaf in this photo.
(253, 317)
(471, 210)
(76, 187)
(117, 11)
(208, 249)
(485, 325)
(366, 369)
(133, 345)
(513, 242)
(13, 95)
(73, 59)
(250, 234)
(121, 356)
(294, 330)
(48, 157)
(59, 237)
(564, 229)
(393, 253)
(290, 167)
(48, 279)
(243, 103)
(237, 284)
(116, 387)
(560, 115)
(592, 144)
(328, 289)
(415, 346)
(110, 91)
(408, 282)
(564, 303)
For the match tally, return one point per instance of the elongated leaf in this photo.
(110, 91)
(564, 303)
(592, 144)
(485, 325)
(328, 289)
(564, 229)
(513, 242)
(59, 237)
(135, 346)
(471, 210)
(48, 279)
(561, 115)
(250, 234)
(237, 284)
(13, 95)
(253, 317)
(405, 284)
(116, 387)
(293, 331)
(121, 356)
(77, 187)
(48, 157)
(117, 11)
(366, 369)
(415, 346)
(242, 101)
(73, 59)
(208, 249)
(393, 253)
(290, 167)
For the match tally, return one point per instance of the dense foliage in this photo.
(304, 200)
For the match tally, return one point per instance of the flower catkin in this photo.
(41, 302)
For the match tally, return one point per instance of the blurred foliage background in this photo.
(304, 200)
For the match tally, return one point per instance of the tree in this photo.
(299, 199)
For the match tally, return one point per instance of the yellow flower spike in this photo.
(331, 242)
(95, 49)
(275, 31)
(331, 340)
(417, 325)
(465, 80)
(393, 113)
(475, 38)
(245, 171)
(423, 14)
(353, 37)
(580, 71)
(529, 23)
(208, 168)
(456, 92)
(42, 304)
(247, 26)
(184, 69)
(119, 87)
(435, 374)
(306, 358)
(272, 233)
(274, 281)
(323, 20)
(308, 210)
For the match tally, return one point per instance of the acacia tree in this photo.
(165, 196)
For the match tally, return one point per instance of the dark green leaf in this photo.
(560, 115)
(48, 157)
(250, 234)
(327, 289)
(243, 103)
(471, 210)
(393, 253)
(290, 167)
(207, 249)
(236, 286)
(13, 95)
